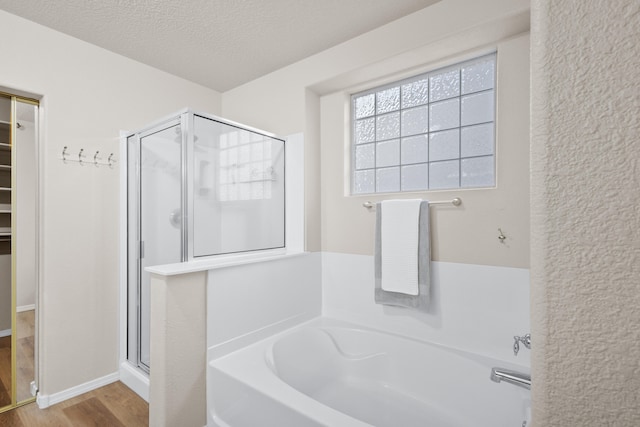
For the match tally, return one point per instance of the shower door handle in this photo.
(175, 217)
(141, 249)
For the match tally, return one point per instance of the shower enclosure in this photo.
(198, 186)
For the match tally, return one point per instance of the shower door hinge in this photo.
(141, 249)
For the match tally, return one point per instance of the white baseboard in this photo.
(5, 333)
(28, 307)
(46, 400)
(135, 380)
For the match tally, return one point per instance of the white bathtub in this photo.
(332, 373)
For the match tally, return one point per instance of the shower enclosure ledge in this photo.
(219, 262)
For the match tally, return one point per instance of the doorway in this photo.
(18, 249)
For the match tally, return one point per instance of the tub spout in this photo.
(511, 377)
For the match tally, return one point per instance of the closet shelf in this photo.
(5, 146)
(5, 188)
(5, 167)
(5, 231)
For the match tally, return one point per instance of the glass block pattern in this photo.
(245, 169)
(432, 131)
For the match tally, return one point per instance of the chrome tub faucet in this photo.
(525, 340)
(511, 377)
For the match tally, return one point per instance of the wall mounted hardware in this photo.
(512, 377)
(81, 158)
(525, 340)
(455, 202)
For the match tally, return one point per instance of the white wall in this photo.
(481, 291)
(312, 96)
(290, 100)
(89, 95)
(472, 307)
(585, 249)
(468, 233)
(247, 302)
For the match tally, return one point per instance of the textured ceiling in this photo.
(218, 43)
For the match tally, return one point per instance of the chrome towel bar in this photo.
(455, 202)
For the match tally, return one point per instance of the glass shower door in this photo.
(160, 216)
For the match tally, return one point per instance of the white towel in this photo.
(399, 240)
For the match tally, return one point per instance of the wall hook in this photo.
(83, 158)
(501, 236)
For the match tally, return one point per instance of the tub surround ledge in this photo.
(222, 261)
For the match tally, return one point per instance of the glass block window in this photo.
(428, 132)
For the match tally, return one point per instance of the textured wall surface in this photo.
(585, 219)
(178, 337)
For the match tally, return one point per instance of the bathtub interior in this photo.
(385, 380)
(351, 375)
(234, 403)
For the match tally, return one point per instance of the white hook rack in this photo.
(82, 156)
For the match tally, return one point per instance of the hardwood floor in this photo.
(5, 371)
(25, 361)
(114, 405)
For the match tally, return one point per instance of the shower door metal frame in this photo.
(187, 183)
(133, 353)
